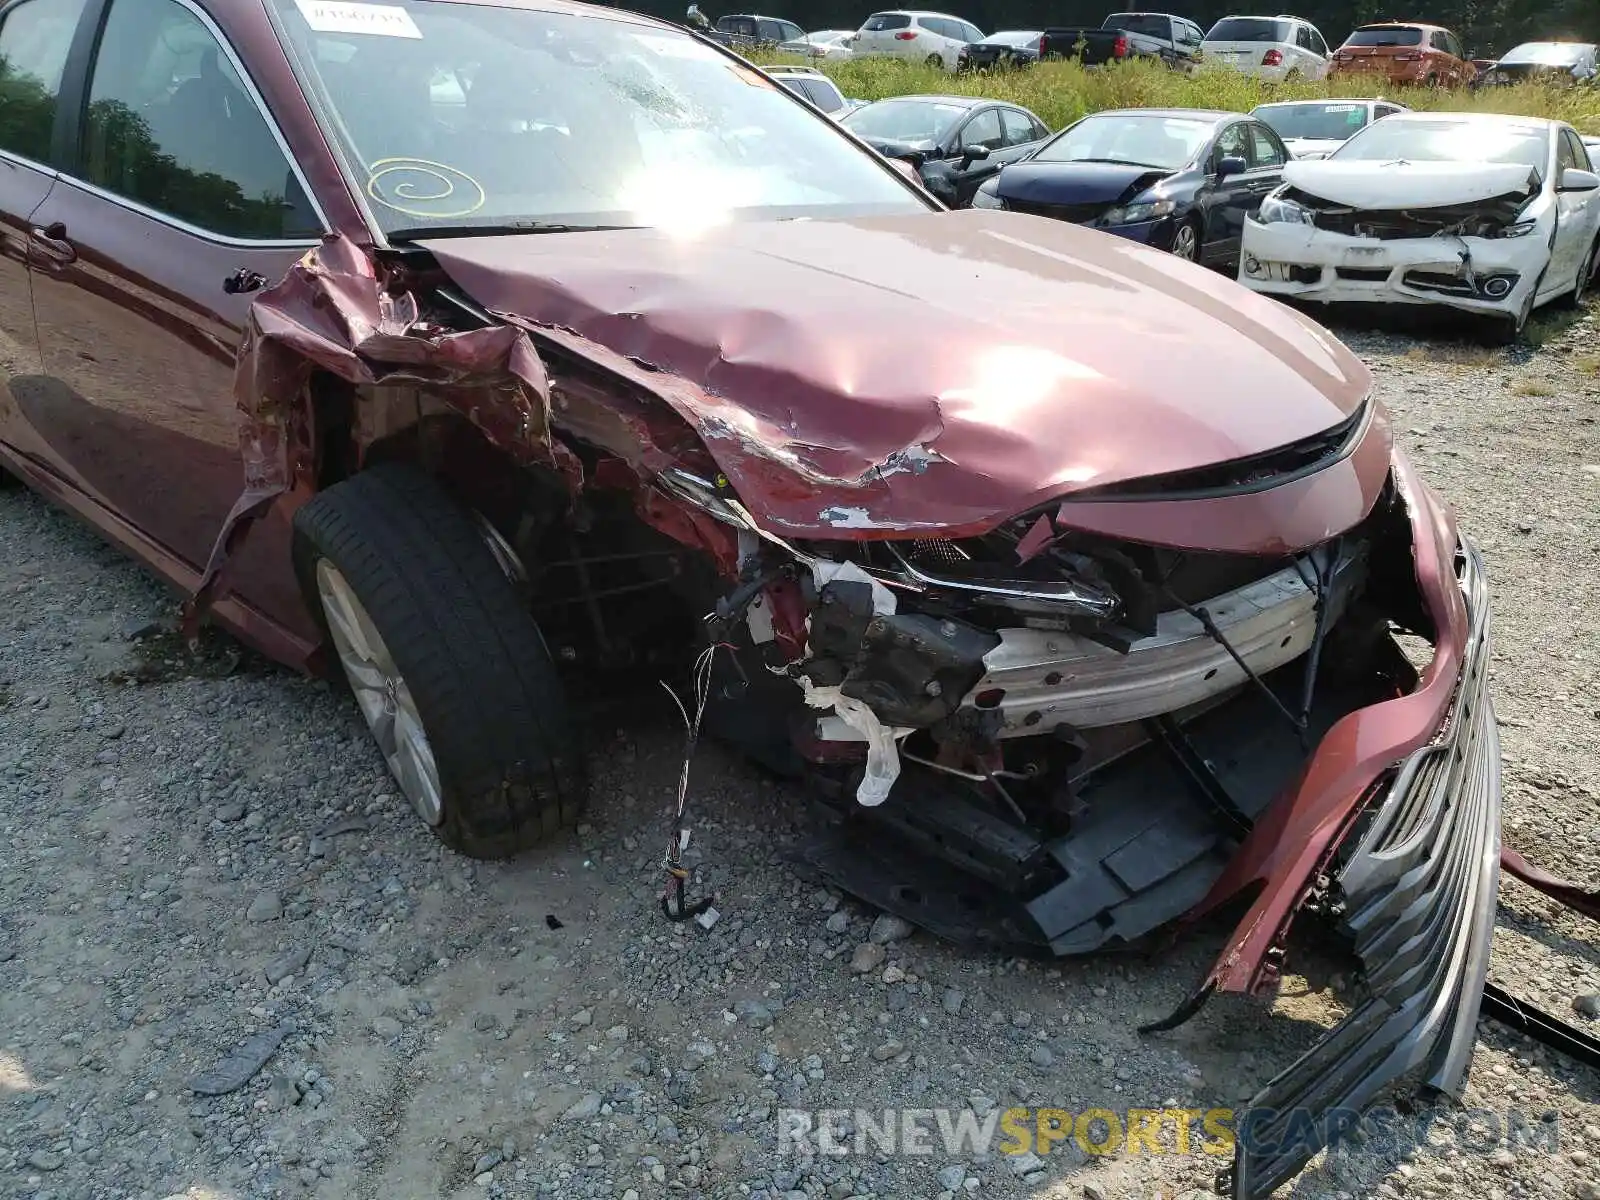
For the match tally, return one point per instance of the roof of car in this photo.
(1472, 118)
(963, 101)
(1331, 100)
(914, 12)
(1402, 25)
(1215, 114)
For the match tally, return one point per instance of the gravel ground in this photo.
(202, 861)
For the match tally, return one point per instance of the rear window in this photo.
(1150, 24)
(1249, 29)
(878, 22)
(1385, 35)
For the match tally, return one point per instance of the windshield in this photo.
(1385, 35)
(1146, 141)
(453, 115)
(1449, 141)
(1547, 54)
(905, 120)
(1249, 29)
(1332, 122)
(1020, 38)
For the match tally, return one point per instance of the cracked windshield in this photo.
(457, 118)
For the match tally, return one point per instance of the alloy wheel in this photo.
(382, 694)
(1185, 243)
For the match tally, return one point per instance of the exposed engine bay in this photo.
(1484, 218)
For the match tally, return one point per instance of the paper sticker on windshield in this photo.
(1343, 108)
(668, 46)
(339, 16)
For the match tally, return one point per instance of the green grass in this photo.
(1061, 92)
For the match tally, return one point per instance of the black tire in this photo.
(936, 61)
(510, 770)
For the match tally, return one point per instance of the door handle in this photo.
(244, 280)
(52, 240)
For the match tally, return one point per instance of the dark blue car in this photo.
(1180, 179)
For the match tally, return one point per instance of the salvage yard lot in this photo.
(165, 845)
(1061, 92)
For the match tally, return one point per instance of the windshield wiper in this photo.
(412, 233)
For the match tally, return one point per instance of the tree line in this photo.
(1487, 27)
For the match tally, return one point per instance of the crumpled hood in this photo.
(1074, 183)
(1403, 184)
(939, 371)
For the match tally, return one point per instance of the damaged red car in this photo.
(487, 353)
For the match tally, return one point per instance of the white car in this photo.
(1275, 48)
(934, 37)
(1316, 128)
(1491, 215)
(830, 44)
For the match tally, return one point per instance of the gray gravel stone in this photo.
(868, 957)
(267, 906)
(889, 928)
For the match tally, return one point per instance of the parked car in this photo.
(1179, 179)
(749, 29)
(1404, 53)
(1491, 215)
(1048, 547)
(1547, 62)
(1275, 48)
(812, 86)
(1174, 40)
(1316, 128)
(954, 142)
(1009, 48)
(830, 44)
(936, 38)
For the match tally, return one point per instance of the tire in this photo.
(1508, 330)
(936, 61)
(1580, 285)
(1432, 81)
(468, 665)
(1186, 242)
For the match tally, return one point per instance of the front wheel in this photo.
(448, 668)
(1186, 242)
(1580, 286)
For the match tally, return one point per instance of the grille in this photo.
(1078, 214)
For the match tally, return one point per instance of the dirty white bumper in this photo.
(1487, 275)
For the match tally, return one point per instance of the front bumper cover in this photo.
(1418, 892)
(1305, 263)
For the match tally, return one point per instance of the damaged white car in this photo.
(1488, 214)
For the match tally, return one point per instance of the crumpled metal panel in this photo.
(875, 377)
(336, 312)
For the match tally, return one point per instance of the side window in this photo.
(1265, 148)
(790, 83)
(940, 26)
(971, 33)
(172, 126)
(790, 32)
(770, 31)
(1302, 37)
(1567, 151)
(1018, 126)
(33, 51)
(1384, 110)
(1233, 142)
(824, 95)
(743, 26)
(1580, 152)
(983, 130)
(1456, 49)
(1318, 46)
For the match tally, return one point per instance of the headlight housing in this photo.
(1144, 210)
(1516, 229)
(1276, 210)
(984, 198)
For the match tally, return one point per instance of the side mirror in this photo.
(972, 154)
(1231, 165)
(1575, 179)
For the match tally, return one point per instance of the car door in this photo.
(179, 184)
(1023, 133)
(1575, 217)
(1223, 202)
(982, 128)
(35, 39)
(1319, 51)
